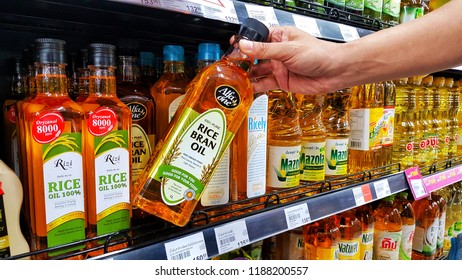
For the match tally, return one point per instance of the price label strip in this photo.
(307, 24)
(382, 188)
(146, 3)
(416, 184)
(349, 33)
(263, 14)
(231, 236)
(297, 216)
(362, 194)
(184, 6)
(218, 9)
(191, 247)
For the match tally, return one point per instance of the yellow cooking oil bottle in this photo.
(387, 230)
(335, 116)
(108, 124)
(54, 129)
(453, 111)
(431, 140)
(404, 206)
(426, 228)
(211, 113)
(313, 149)
(439, 120)
(366, 121)
(365, 215)
(284, 141)
(388, 124)
(458, 117)
(404, 136)
(168, 91)
(350, 228)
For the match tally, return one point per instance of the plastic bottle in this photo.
(453, 112)
(406, 211)
(442, 204)
(169, 89)
(388, 127)
(199, 134)
(373, 9)
(459, 124)
(293, 244)
(313, 149)
(387, 230)
(440, 121)
(12, 240)
(321, 239)
(426, 228)
(350, 236)
(431, 139)
(457, 210)
(424, 153)
(390, 11)
(366, 215)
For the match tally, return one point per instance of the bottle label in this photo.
(141, 150)
(112, 180)
(366, 125)
(336, 156)
(4, 240)
(405, 250)
(349, 249)
(425, 239)
(217, 191)
(457, 228)
(441, 227)
(367, 244)
(64, 191)
(139, 111)
(47, 127)
(174, 106)
(191, 158)
(257, 130)
(375, 5)
(386, 245)
(227, 96)
(388, 127)
(284, 166)
(310, 251)
(391, 7)
(312, 161)
(296, 245)
(331, 253)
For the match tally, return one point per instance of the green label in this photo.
(340, 3)
(408, 13)
(375, 5)
(312, 160)
(357, 5)
(336, 156)
(283, 166)
(391, 7)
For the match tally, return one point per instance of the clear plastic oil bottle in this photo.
(439, 120)
(388, 126)
(350, 228)
(404, 206)
(426, 228)
(366, 215)
(387, 230)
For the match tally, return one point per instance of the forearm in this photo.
(425, 45)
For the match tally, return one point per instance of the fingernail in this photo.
(245, 45)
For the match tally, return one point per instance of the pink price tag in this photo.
(416, 184)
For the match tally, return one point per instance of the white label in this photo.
(406, 242)
(191, 247)
(349, 33)
(336, 157)
(283, 166)
(113, 164)
(359, 197)
(307, 24)
(218, 9)
(441, 226)
(359, 129)
(174, 106)
(264, 14)
(297, 216)
(256, 146)
(231, 236)
(217, 191)
(382, 188)
(386, 245)
(418, 188)
(66, 170)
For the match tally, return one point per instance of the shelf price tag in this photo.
(147, 3)
(297, 216)
(349, 33)
(307, 24)
(263, 14)
(218, 9)
(416, 184)
(362, 194)
(231, 236)
(191, 247)
(382, 188)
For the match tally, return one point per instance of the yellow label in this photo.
(66, 218)
(349, 249)
(331, 253)
(141, 150)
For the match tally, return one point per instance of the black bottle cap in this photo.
(254, 30)
(49, 50)
(102, 55)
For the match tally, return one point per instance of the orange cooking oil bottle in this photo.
(210, 115)
(365, 215)
(387, 230)
(54, 128)
(404, 206)
(168, 91)
(442, 205)
(426, 228)
(366, 119)
(404, 136)
(321, 239)
(284, 141)
(313, 149)
(350, 228)
(293, 244)
(335, 116)
(108, 134)
(388, 125)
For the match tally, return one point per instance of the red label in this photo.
(1, 191)
(423, 144)
(11, 114)
(410, 146)
(47, 127)
(446, 139)
(101, 121)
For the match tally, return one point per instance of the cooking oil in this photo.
(388, 125)
(426, 228)
(453, 111)
(404, 206)
(439, 121)
(387, 230)
(431, 140)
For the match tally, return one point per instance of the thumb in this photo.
(262, 50)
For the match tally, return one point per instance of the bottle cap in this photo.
(102, 55)
(49, 50)
(173, 53)
(209, 51)
(146, 59)
(254, 30)
(403, 195)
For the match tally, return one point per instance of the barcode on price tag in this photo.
(231, 236)
(349, 33)
(263, 14)
(418, 188)
(219, 9)
(191, 247)
(297, 216)
(382, 188)
(307, 24)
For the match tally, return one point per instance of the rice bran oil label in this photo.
(312, 161)
(190, 158)
(112, 172)
(283, 166)
(142, 144)
(62, 181)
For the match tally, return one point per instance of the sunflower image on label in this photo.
(189, 162)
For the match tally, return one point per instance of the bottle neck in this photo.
(83, 78)
(201, 64)
(51, 80)
(18, 83)
(128, 70)
(236, 57)
(175, 67)
(102, 81)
